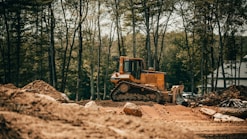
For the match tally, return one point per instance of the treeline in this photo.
(72, 44)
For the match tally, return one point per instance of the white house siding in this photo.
(233, 76)
(231, 73)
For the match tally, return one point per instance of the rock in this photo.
(207, 111)
(132, 109)
(65, 97)
(91, 105)
(226, 118)
(218, 115)
(45, 97)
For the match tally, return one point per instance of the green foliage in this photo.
(25, 40)
(84, 88)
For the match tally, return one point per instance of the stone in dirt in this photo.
(132, 109)
(91, 105)
(226, 118)
(207, 111)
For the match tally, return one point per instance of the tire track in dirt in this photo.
(192, 119)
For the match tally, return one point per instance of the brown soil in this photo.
(37, 111)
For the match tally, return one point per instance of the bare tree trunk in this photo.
(79, 54)
(7, 66)
(133, 27)
(92, 59)
(18, 45)
(202, 69)
(241, 58)
(63, 83)
(41, 72)
(118, 28)
(111, 38)
(189, 49)
(53, 77)
(91, 81)
(39, 50)
(221, 60)
(212, 56)
(123, 51)
(212, 69)
(99, 52)
(156, 35)
(147, 24)
(163, 37)
(70, 52)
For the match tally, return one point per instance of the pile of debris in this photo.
(235, 103)
(230, 95)
(230, 101)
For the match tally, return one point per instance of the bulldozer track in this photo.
(127, 91)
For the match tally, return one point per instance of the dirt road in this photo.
(191, 119)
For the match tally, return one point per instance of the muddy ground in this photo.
(39, 111)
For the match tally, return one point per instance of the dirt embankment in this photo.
(39, 111)
(34, 112)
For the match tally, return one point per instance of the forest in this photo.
(73, 44)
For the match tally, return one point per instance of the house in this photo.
(235, 74)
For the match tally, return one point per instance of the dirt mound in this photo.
(27, 114)
(9, 85)
(234, 92)
(42, 87)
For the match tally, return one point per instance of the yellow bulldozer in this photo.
(134, 83)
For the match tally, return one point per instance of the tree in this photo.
(63, 73)
(52, 65)
(229, 16)
(15, 15)
(132, 19)
(186, 20)
(110, 41)
(146, 15)
(79, 67)
(99, 49)
(159, 28)
(69, 44)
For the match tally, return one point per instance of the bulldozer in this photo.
(134, 83)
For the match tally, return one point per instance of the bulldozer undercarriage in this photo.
(127, 91)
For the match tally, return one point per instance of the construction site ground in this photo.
(39, 111)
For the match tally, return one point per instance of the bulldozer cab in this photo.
(133, 66)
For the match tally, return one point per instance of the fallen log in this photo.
(238, 112)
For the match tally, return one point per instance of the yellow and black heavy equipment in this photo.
(134, 83)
